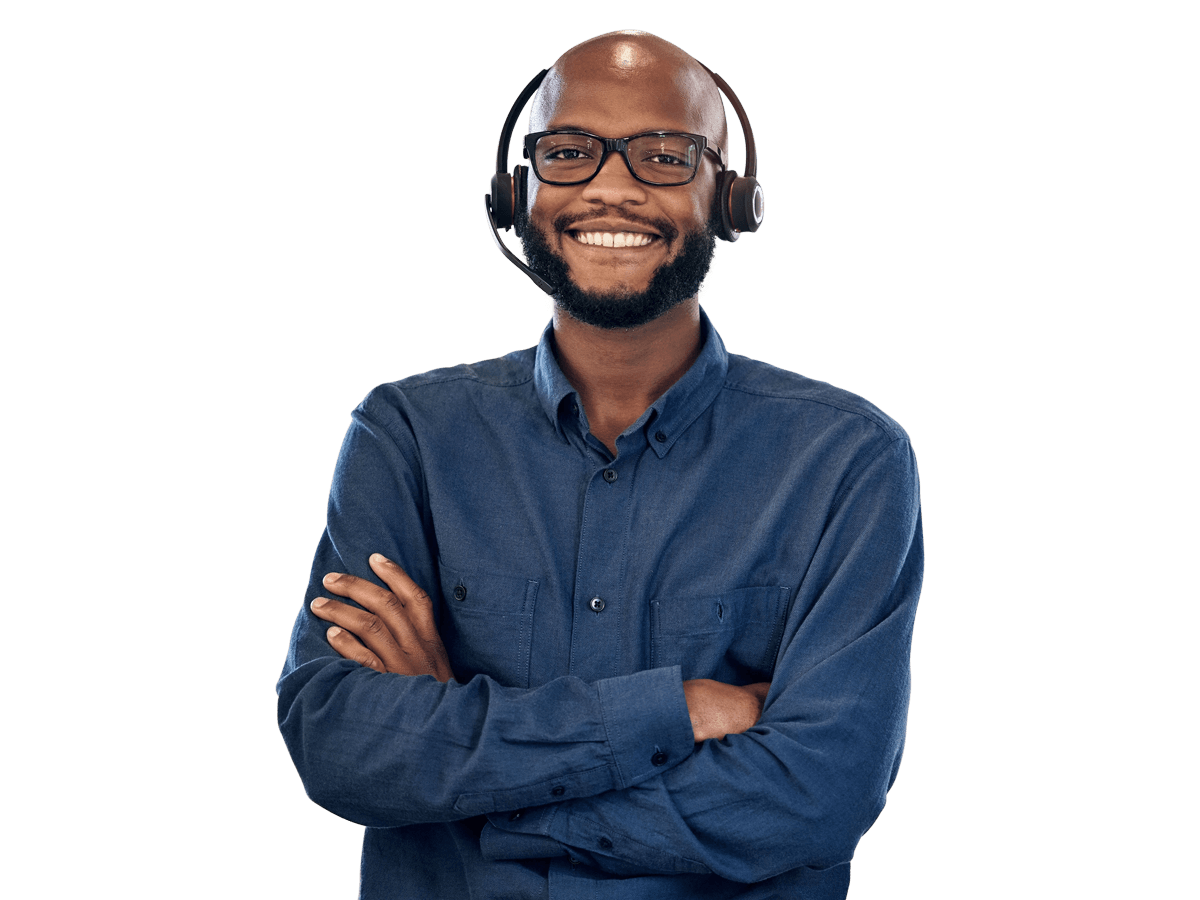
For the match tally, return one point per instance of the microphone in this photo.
(512, 257)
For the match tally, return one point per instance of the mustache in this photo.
(565, 221)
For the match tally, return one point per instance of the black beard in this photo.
(673, 282)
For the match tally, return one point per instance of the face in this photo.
(624, 252)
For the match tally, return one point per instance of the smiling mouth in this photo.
(615, 239)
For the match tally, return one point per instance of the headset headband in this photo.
(740, 198)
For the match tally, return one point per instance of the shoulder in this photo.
(798, 397)
(453, 383)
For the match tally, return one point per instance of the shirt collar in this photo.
(668, 416)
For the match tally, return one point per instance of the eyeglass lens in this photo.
(657, 158)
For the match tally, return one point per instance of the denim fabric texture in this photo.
(755, 525)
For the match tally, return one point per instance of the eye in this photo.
(568, 153)
(666, 159)
(662, 152)
(566, 148)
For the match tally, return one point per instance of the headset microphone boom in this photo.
(739, 197)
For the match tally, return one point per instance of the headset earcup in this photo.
(724, 186)
(746, 203)
(741, 201)
(502, 200)
(519, 185)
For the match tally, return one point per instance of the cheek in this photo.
(702, 199)
(541, 204)
(693, 209)
(532, 189)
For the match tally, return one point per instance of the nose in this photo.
(614, 184)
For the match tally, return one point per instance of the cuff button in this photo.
(658, 759)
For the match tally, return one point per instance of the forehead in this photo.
(612, 100)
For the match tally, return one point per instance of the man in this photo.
(664, 649)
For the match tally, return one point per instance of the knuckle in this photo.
(392, 604)
(373, 625)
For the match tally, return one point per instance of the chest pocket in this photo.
(487, 625)
(731, 637)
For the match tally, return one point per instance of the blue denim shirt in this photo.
(754, 525)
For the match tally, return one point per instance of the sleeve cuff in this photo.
(507, 840)
(647, 723)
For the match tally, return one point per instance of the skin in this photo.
(614, 86)
(395, 632)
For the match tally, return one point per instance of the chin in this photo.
(674, 282)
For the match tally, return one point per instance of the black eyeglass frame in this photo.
(621, 146)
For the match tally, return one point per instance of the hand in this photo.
(718, 709)
(393, 632)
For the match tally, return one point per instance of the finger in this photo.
(367, 627)
(408, 641)
(419, 607)
(410, 594)
(348, 646)
(366, 594)
(401, 619)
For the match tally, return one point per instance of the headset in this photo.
(739, 197)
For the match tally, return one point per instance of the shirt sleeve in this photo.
(387, 750)
(803, 785)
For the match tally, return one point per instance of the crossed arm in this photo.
(395, 632)
(581, 759)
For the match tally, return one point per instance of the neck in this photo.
(619, 372)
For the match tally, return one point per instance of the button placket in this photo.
(603, 617)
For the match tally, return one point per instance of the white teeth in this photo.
(611, 239)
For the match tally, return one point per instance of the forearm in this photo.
(800, 787)
(389, 749)
(386, 750)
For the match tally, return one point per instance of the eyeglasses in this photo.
(659, 158)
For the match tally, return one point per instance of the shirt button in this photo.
(658, 759)
(559, 791)
(516, 815)
(597, 604)
(660, 437)
(610, 475)
(605, 844)
(460, 592)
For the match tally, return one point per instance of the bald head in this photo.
(625, 76)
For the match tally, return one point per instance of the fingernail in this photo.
(333, 632)
(331, 577)
(379, 558)
(318, 603)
